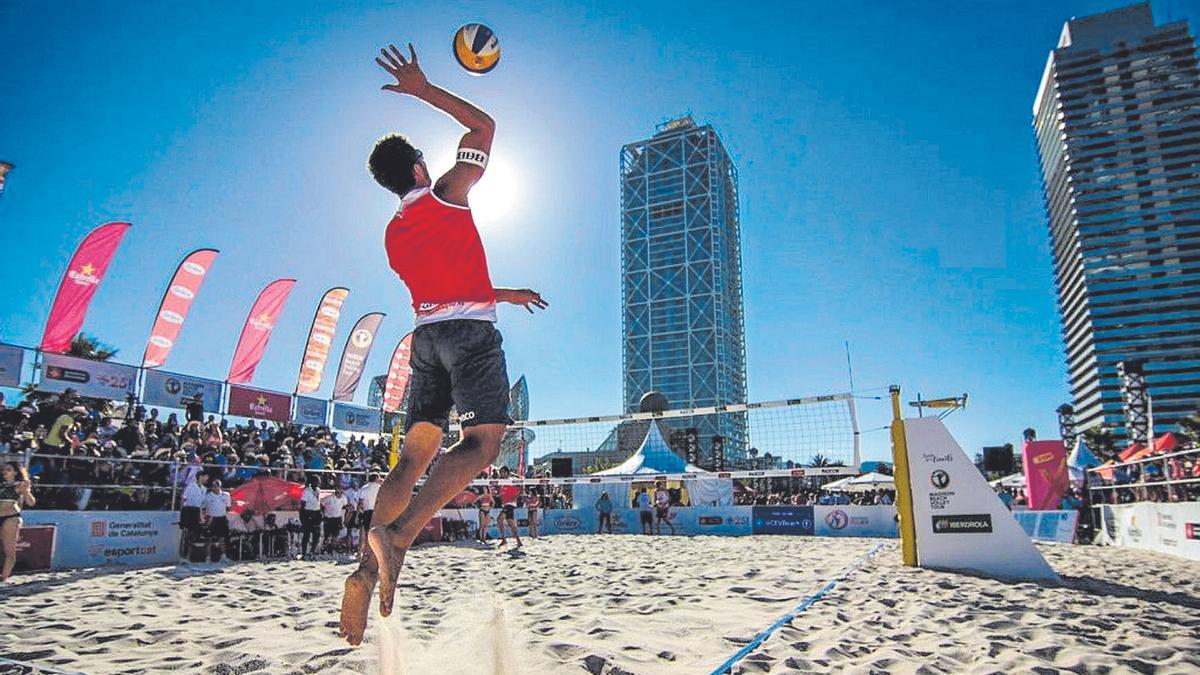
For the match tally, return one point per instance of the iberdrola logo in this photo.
(262, 322)
(86, 276)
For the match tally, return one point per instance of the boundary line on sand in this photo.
(742, 653)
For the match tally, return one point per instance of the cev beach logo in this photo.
(85, 276)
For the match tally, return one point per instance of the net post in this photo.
(904, 506)
(394, 451)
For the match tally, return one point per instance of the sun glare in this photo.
(494, 197)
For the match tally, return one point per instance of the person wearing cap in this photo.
(216, 507)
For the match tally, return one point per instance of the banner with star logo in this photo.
(257, 330)
(84, 274)
(259, 404)
(354, 356)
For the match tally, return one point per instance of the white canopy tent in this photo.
(653, 457)
(1016, 480)
(864, 483)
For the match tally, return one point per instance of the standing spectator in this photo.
(662, 509)
(193, 408)
(310, 517)
(60, 431)
(216, 508)
(604, 506)
(189, 513)
(366, 507)
(15, 494)
(333, 510)
(645, 512)
(533, 502)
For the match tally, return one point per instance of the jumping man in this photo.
(434, 247)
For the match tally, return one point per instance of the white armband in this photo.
(472, 156)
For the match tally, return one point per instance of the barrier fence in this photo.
(1157, 478)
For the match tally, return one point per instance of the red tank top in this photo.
(435, 249)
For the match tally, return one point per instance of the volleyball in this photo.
(476, 48)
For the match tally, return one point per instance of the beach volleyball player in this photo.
(433, 245)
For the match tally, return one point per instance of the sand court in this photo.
(619, 604)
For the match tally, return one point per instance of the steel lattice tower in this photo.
(681, 281)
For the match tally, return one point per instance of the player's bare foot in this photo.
(390, 557)
(356, 599)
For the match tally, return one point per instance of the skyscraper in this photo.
(681, 275)
(1117, 120)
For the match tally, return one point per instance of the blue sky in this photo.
(889, 183)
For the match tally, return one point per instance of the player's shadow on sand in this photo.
(1094, 586)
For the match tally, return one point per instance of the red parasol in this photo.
(464, 499)
(266, 494)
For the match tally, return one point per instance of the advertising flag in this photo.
(84, 274)
(1046, 474)
(176, 302)
(11, 360)
(5, 167)
(354, 356)
(259, 404)
(257, 330)
(398, 373)
(320, 339)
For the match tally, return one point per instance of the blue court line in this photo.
(742, 653)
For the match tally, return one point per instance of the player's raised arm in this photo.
(473, 149)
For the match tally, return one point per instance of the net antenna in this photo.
(945, 406)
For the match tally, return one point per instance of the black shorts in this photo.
(364, 518)
(333, 526)
(189, 518)
(218, 528)
(664, 512)
(508, 511)
(458, 363)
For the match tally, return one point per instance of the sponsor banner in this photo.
(960, 522)
(172, 390)
(259, 404)
(1058, 526)
(35, 548)
(688, 520)
(354, 356)
(783, 520)
(1046, 475)
(84, 273)
(256, 332)
(176, 302)
(320, 339)
(94, 538)
(398, 374)
(311, 411)
(1163, 528)
(353, 418)
(854, 521)
(11, 360)
(97, 379)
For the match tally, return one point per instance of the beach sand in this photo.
(618, 604)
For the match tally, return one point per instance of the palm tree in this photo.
(1099, 439)
(820, 460)
(90, 347)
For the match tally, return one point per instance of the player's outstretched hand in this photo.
(409, 77)
(525, 297)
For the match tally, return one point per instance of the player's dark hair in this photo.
(391, 163)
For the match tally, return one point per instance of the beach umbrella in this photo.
(837, 485)
(1166, 443)
(870, 481)
(266, 494)
(1015, 480)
